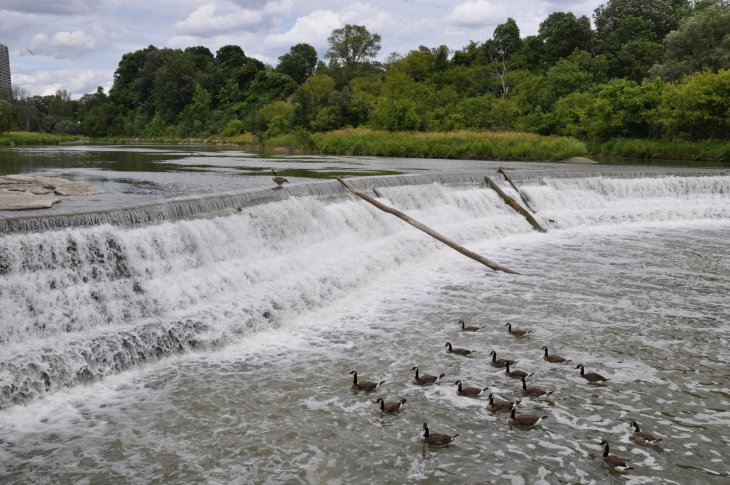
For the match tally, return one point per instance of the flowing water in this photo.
(218, 349)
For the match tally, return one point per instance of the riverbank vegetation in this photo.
(647, 77)
(22, 138)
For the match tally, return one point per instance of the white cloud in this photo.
(477, 13)
(205, 22)
(313, 28)
(55, 7)
(63, 44)
(76, 81)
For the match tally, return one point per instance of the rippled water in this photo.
(631, 281)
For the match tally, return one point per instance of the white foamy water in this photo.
(186, 380)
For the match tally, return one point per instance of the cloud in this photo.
(313, 28)
(55, 7)
(211, 19)
(477, 13)
(76, 81)
(63, 44)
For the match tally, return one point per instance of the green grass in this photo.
(711, 150)
(454, 145)
(20, 138)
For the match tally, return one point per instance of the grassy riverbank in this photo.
(454, 145)
(632, 148)
(22, 138)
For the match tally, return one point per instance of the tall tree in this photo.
(352, 46)
(299, 62)
(561, 33)
(504, 43)
(701, 42)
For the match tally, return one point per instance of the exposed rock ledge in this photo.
(25, 192)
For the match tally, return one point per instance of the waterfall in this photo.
(85, 296)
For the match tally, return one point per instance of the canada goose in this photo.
(612, 461)
(525, 420)
(500, 362)
(533, 391)
(515, 374)
(498, 405)
(457, 350)
(469, 391)
(278, 180)
(517, 332)
(390, 407)
(591, 377)
(555, 359)
(468, 329)
(426, 379)
(643, 437)
(366, 386)
(436, 439)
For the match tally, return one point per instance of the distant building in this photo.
(5, 85)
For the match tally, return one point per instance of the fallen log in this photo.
(470, 254)
(517, 207)
(509, 179)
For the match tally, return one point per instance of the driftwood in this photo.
(509, 179)
(470, 254)
(517, 207)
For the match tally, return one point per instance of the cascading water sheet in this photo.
(245, 325)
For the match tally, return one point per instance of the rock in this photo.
(16, 201)
(24, 192)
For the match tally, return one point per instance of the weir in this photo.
(84, 296)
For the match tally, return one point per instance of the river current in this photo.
(218, 349)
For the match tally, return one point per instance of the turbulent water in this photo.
(218, 349)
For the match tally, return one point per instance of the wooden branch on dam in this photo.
(453, 245)
(509, 179)
(517, 207)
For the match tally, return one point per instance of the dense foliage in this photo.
(650, 69)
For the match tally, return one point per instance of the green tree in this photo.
(395, 115)
(701, 42)
(561, 33)
(698, 107)
(299, 62)
(662, 15)
(501, 49)
(6, 116)
(352, 47)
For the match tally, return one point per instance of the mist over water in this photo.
(218, 349)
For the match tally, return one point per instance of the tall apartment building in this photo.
(5, 85)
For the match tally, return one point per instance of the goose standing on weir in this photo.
(436, 439)
(517, 332)
(366, 386)
(457, 350)
(278, 180)
(426, 379)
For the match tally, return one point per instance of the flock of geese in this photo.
(495, 405)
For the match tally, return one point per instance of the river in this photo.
(214, 344)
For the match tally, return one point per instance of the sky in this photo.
(76, 45)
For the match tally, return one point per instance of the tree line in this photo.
(645, 69)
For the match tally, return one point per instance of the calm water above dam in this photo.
(217, 349)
